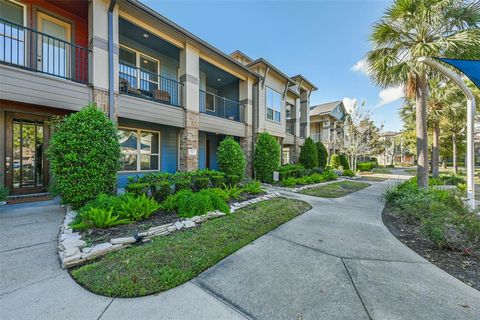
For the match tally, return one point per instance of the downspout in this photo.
(111, 88)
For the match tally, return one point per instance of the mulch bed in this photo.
(97, 235)
(464, 267)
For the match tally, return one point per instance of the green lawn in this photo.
(411, 171)
(372, 178)
(336, 189)
(169, 261)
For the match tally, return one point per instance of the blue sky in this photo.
(323, 40)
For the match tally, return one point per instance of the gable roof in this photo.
(272, 67)
(324, 108)
(301, 77)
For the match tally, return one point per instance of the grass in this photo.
(373, 178)
(411, 171)
(169, 261)
(336, 189)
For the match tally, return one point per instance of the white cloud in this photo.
(390, 95)
(349, 103)
(360, 66)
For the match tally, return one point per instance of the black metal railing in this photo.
(149, 85)
(291, 126)
(221, 107)
(36, 51)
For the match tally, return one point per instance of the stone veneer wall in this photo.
(247, 146)
(189, 142)
(100, 98)
(295, 150)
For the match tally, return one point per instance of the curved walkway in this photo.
(337, 261)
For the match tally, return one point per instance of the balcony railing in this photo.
(290, 126)
(36, 51)
(148, 85)
(319, 137)
(221, 107)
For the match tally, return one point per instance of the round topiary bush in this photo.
(344, 162)
(267, 157)
(335, 161)
(230, 157)
(84, 156)
(322, 154)
(309, 154)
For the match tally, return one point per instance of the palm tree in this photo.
(414, 28)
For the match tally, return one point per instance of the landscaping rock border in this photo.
(73, 251)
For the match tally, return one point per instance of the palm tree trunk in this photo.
(454, 152)
(435, 150)
(422, 137)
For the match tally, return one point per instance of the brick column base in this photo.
(189, 142)
(295, 150)
(100, 98)
(247, 146)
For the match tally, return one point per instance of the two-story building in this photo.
(327, 125)
(173, 96)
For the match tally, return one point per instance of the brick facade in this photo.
(189, 146)
(247, 146)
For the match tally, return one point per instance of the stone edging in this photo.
(72, 249)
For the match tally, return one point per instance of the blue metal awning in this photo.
(471, 68)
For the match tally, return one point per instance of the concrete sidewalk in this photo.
(337, 261)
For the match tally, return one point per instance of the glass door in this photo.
(27, 171)
(53, 46)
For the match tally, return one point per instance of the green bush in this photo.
(188, 204)
(161, 190)
(314, 177)
(230, 157)
(200, 183)
(366, 166)
(3, 193)
(267, 157)
(84, 156)
(253, 187)
(182, 184)
(232, 180)
(322, 154)
(344, 162)
(289, 182)
(309, 154)
(348, 173)
(100, 218)
(335, 161)
(233, 192)
(291, 170)
(138, 208)
(218, 180)
(440, 214)
(138, 188)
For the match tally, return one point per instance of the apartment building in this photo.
(280, 105)
(173, 96)
(327, 125)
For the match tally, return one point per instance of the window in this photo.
(139, 150)
(140, 70)
(12, 35)
(274, 105)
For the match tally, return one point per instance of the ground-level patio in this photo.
(336, 261)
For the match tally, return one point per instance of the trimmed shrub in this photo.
(309, 154)
(232, 180)
(348, 173)
(200, 183)
(266, 158)
(84, 156)
(291, 170)
(322, 154)
(182, 184)
(335, 161)
(218, 180)
(230, 157)
(138, 188)
(344, 162)
(161, 190)
(366, 166)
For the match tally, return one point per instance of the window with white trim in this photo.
(139, 149)
(273, 105)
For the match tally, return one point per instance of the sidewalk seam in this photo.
(30, 284)
(356, 290)
(108, 305)
(222, 299)
(29, 246)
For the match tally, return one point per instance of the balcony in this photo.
(222, 107)
(290, 129)
(318, 137)
(29, 49)
(148, 85)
